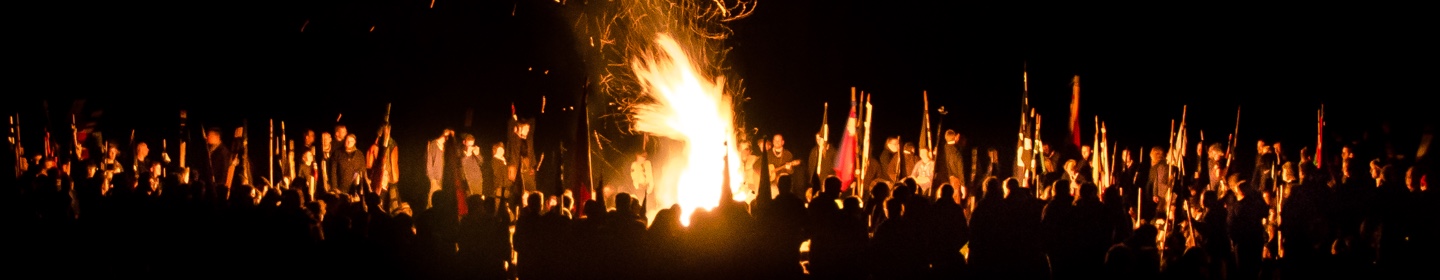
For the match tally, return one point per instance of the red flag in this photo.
(1075, 111)
(460, 206)
(845, 159)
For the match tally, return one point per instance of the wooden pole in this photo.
(270, 163)
(1234, 138)
(1320, 135)
(865, 150)
(824, 135)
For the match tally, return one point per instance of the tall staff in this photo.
(824, 137)
(925, 135)
(184, 134)
(287, 155)
(245, 157)
(1319, 135)
(1022, 143)
(15, 145)
(270, 150)
(1234, 138)
(865, 148)
(864, 156)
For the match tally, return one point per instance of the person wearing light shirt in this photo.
(924, 171)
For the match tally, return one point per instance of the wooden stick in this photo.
(1234, 138)
(1320, 135)
(824, 135)
(865, 153)
(270, 163)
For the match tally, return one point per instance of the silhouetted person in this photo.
(664, 236)
(1092, 234)
(835, 245)
(1060, 229)
(626, 230)
(1247, 231)
(949, 231)
(781, 222)
(897, 251)
(1303, 224)
(875, 206)
(1005, 231)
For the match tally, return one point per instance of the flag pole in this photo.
(1319, 134)
(865, 150)
(1234, 137)
(854, 172)
(926, 135)
(270, 162)
(1023, 138)
(825, 134)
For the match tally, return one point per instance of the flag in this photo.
(845, 158)
(580, 178)
(1023, 143)
(1075, 111)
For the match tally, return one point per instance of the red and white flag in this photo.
(845, 159)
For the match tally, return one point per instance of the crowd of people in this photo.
(106, 209)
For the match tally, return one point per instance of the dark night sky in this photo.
(228, 60)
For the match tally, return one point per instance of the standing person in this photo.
(435, 165)
(522, 154)
(471, 166)
(924, 172)
(890, 170)
(953, 152)
(1158, 187)
(641, 174)
(501, 174)
(324, 164)
(339, 141)
(218, 158)
(821, 157)
(305, 175)
(384, 169)
(908, 160)
(349, 167)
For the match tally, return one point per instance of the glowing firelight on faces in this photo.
(695, 110)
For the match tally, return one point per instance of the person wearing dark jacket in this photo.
(349, 167)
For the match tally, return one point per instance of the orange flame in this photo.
(694, 109)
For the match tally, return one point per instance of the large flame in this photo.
(695, 110)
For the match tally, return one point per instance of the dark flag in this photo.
(579, 176)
